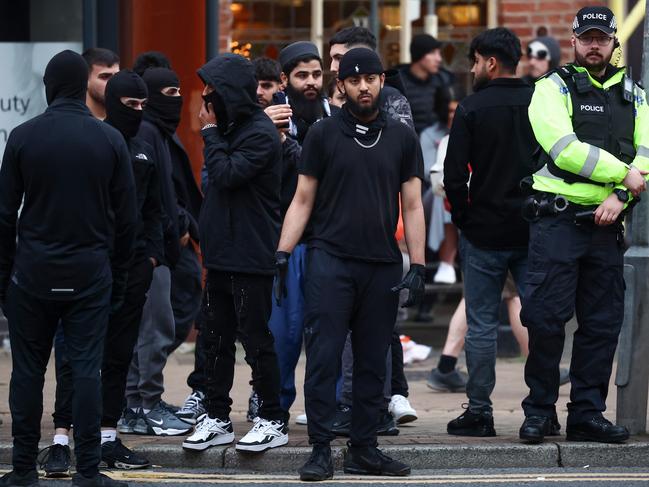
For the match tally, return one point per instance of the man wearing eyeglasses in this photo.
(592, 124)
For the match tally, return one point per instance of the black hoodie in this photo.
(74, 173)
(240, 218)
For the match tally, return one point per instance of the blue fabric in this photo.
(485, 272)
(287, 324)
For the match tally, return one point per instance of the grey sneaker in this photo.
(162, 422)
(454, 381)
(126, 423)
(193, 408)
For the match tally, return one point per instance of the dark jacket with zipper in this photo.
(492, 144)
(78, 219)
(240, 219)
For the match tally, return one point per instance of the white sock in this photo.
(146, 411)
(445, 265)
(134, 409)
(61, 440)
(108, 435)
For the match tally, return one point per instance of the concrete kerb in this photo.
(420, 457)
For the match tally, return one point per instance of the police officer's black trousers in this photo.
(32, 324)
(572, 269)
(343, 295)
(238, 305)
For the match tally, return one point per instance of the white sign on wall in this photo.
(22, 94)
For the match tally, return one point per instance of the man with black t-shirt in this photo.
(348, 192)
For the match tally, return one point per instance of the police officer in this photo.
(592, 124)
(348, 190)
(73, 176)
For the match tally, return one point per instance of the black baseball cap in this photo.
(600, 18)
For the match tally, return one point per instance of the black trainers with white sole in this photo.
(55, 460)
(264, 434)
(114, 454)
(209, 432)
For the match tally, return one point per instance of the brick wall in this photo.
(526, 17)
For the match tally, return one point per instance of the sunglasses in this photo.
(538, 54)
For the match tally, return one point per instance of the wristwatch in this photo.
(621, 194)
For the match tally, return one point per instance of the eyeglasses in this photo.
(588, 40)
(538, 54)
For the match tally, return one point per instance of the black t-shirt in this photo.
(357, 204)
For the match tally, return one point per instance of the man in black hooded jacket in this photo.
(239, 227)
(77, 222)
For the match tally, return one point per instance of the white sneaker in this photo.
(264, 434)
(193, 408)
(209, 432)
(401, 410)
(301, 419)
(445, 274)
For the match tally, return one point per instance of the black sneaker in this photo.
(536, 428)
(369, 460)
(254, 403)
(15, 479)
(55, 460)
(99, 480)
(597, 429)
(342, 420)
(387, 425)
(453, 381)
(127, 422)
(115, 455)
(319, 466)
(471, 423)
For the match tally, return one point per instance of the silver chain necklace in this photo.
(378, 137)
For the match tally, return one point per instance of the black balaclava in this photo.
(161, 109)
(66, 76)
(126, 120)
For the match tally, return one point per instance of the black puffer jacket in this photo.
(240, 217)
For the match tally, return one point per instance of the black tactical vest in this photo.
(604, 118)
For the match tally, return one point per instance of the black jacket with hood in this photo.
(240, 218)
(72, 173)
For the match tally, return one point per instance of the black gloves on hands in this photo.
(414, 283)
(281, 268)
(119, 291)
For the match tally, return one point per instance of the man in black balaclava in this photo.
(174, 300)
(78, 221)
(125, 98)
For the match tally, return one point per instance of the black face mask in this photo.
(220, 110)
(66, 76)
(124, 84)
(161, 109)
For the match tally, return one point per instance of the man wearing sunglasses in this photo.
(543, 55)
(592, 124)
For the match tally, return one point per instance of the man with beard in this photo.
(592, 123)
(239, 225)
(102, 64)
(64, 261)
(354, 168)
(146, 412)
(492, 133)
(302, 74)
(268, 73)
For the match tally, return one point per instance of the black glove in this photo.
(281, 268)
(414, 283)
(118, 292)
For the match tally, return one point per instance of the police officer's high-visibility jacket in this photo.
(591, 136)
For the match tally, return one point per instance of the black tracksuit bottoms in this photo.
(572, 269)
(237, 305)
(32, 324)
(121, 337)
(343, 295)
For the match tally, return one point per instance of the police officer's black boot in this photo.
(536, 428)
(319, 466)
(597, 429)
(369, 460)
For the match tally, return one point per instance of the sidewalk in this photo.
(424, 443)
